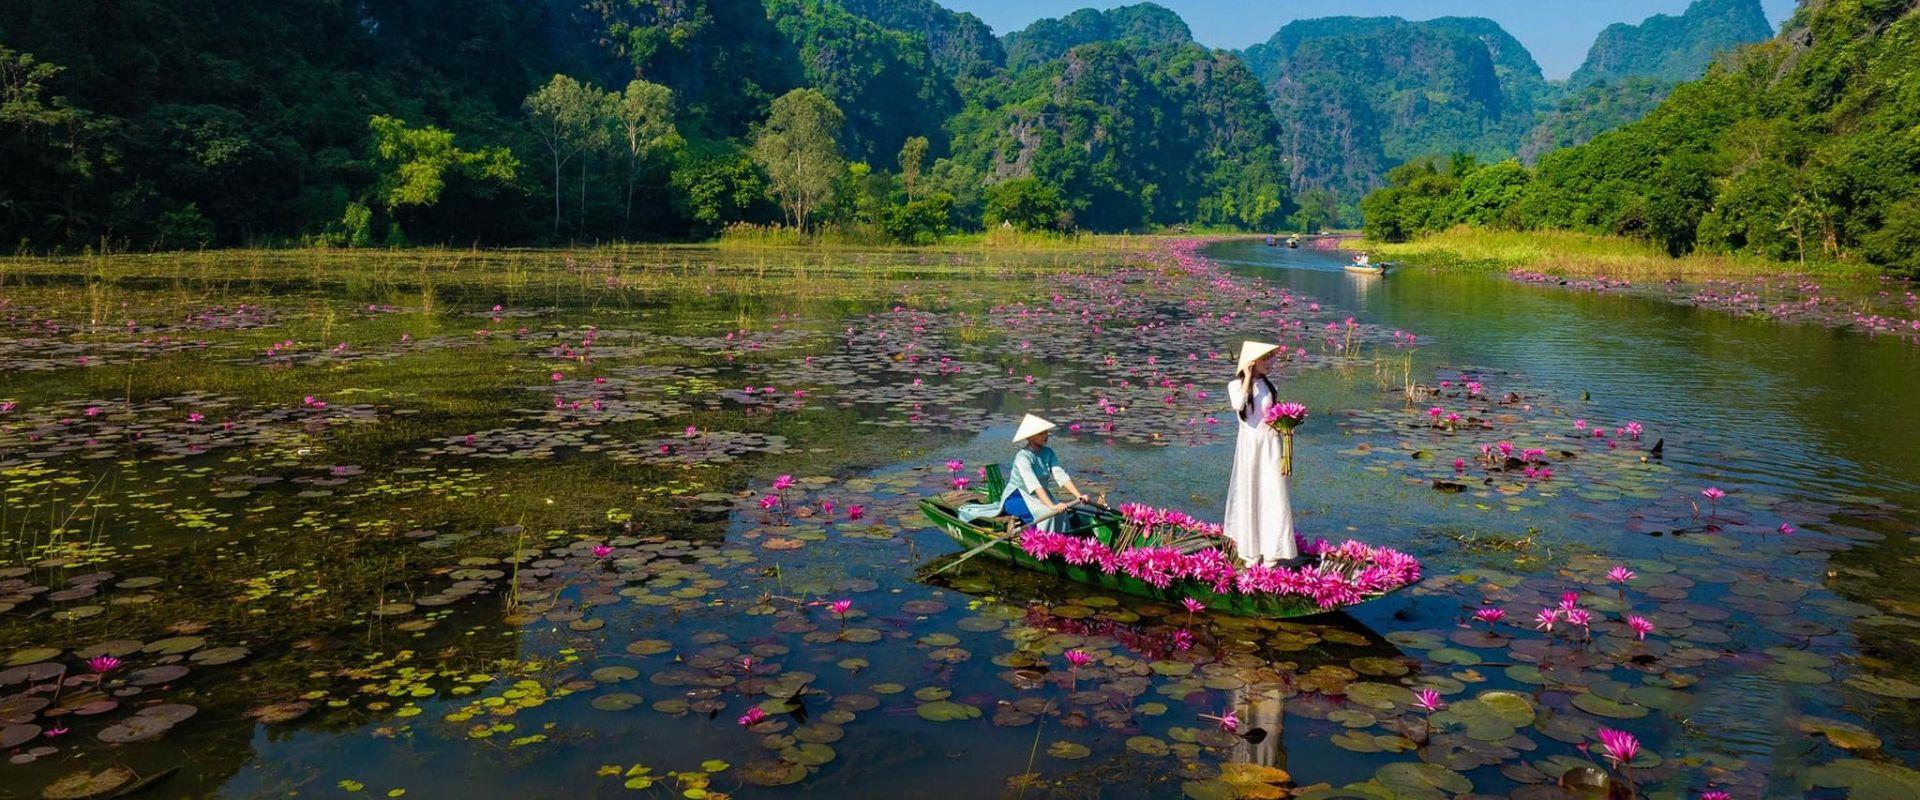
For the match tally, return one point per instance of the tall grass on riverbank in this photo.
(747, 235)
(1584, 255)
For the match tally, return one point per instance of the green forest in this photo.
(1803, 147)
(136, 125)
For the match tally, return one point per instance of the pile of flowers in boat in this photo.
(1344, 574)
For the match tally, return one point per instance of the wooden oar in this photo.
(1017, 530)
(978, 550)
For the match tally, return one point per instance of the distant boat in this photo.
(1369, 269)
(1271, 241)
(1293, 242)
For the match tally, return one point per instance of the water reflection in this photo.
(1261, 723)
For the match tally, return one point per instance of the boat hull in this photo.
(972, 536)
(1366, 270)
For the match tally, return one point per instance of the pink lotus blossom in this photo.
(959, 483)
(1192, 606)
(1286, 416)
(1229, 722)
(1579, 616)
(768, 502)
(754, 716)
(1546, 618)
(826, 507)
(783, 483)
(100, 665)
(1490, 615)
(1618, 746)
(1620, 574)
(840, 607)
(1712, 493)
(1715, 795)
(1078, 658)
(1641, 626)
(1430, 700)
(856, 511)
(1785, 529)
(956, 465)
(602, 551)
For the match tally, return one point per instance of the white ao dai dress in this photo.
(1259, 516)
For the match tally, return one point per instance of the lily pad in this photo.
(81, 785)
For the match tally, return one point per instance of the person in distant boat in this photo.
(1259, 516)
(1026, 497)
(1362, 260)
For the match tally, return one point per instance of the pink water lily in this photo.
(783, 483)
(754, 716)
(840, 607)
(101, 665)
(1490, 616)
(1620, 574)
(956, 465)
(602, 551)
(1546, 618)
(1641, 626)
(1078, 658)
(1192, 606)
(1430, 700)
(1618, 746)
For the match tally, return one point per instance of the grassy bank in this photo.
(1584, 255)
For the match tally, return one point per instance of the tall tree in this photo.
(913, 155)
(644, 115)
(416, 162)
(565, 115)
(799, 148)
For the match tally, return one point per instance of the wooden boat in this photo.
(1271, 241)
(1293, 242)
(1370, 269)
(1105, 526)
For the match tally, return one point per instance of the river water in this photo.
(356, 570)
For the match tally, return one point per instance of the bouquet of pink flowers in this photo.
(1284, 417)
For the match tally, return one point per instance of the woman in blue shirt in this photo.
(1026, 497)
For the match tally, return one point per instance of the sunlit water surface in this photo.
(1780, 663)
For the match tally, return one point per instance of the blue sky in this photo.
(1557, 32)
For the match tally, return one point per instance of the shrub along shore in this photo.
(1585, 255)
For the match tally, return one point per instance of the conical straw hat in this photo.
(1029, 426)
(1251, 351)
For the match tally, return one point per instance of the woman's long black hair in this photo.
(1272, 391)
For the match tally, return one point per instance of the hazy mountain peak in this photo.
(1673, 48)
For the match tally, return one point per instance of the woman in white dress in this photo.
(1259, 514)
